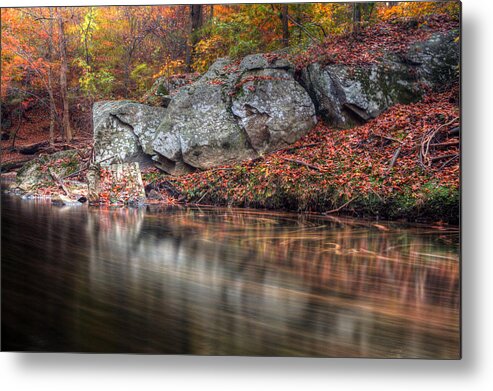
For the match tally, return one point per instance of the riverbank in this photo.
(402, 165)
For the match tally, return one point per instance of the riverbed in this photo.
(215, 281)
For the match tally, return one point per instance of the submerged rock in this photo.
(60, 199)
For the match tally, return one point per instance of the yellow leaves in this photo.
(417, 9)
(171, 67)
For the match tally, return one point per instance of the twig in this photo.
(304, 29)
(394, 158)
(290, 149)
(86, 167)
(12, 164)
(220, 169)
(340, 207)
(426, 141)
(59, 181)
(453, 155)
(388, 138)
(301, 163)
(449, 161)
(446, 144)
(201, 198)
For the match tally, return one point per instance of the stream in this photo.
(217, 281)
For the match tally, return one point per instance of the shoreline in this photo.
(370, 219)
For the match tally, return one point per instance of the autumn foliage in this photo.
(403, 163)
(329, 168)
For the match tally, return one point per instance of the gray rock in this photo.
(437, 59)
(260, 61)
(124, 131)
(346, 95)
(164, 88)
(36, 173)
(199, 128)
(273, 109)
(232, 113)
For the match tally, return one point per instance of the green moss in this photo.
(432, 204)
(162, 90)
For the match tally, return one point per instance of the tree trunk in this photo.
(285, 25)
(196, 19)
(50, 83)
(63, 79)
(356, 18)
(52, 108)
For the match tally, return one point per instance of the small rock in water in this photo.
(60, 199)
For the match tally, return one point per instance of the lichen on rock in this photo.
(124, 131)
(37, 173)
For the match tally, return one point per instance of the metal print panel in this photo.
(234, 179)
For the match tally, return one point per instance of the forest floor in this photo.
(31, 138)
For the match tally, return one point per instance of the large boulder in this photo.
(164, 88)
(199, 128)
(437, 59)
(232, 113)
(124, 131)
(346, 95)
(273, 109)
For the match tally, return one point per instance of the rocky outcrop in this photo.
(44, 171)
(115, 183)
(164, 88)
(232, 113)
(436, 60)
(124, 131)
(346, 95)
(242, 110)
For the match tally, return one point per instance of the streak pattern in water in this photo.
(225, 282)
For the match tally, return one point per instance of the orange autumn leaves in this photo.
(343, 164)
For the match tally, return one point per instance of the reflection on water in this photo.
(225, 282)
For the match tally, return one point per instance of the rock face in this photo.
(232, 113)
(346, 95)
(115, 183)
(437, 59)
(164, 88)
(124, 131)
(273, 109)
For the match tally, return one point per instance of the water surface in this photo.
(225, 282)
